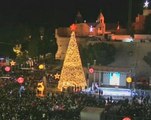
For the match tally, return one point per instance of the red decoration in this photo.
(126, 118)
(20, 80)
(73, 27)
(91, 70)
(7, 68)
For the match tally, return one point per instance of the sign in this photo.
(7, 68)
(115, 78)
(91, 70)
(20, 80)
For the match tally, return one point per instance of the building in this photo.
(84, 31)
(130, 50)
(110, 76)
(138, 25)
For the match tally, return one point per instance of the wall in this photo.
(129, 54)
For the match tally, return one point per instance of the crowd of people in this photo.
(63, 105)
(53, 106)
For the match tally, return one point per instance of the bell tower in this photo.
(101, 27)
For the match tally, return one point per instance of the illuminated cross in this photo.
(91, 29)
(73, 27)
(146, 4)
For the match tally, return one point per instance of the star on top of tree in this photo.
(73, 27)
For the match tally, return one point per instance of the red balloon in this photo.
(20, 80)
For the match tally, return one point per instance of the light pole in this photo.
(88, 77)
(94, 63)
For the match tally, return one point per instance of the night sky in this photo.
(63, 12)
(57, 13)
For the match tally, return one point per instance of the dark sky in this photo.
(57, 13)
(63, 12)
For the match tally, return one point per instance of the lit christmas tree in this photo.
(72, 74)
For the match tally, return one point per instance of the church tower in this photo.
(101, 27)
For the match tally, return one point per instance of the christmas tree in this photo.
(72, 74)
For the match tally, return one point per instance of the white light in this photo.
(113, 91)
(128, 40)
(91, 29)
(146, 4)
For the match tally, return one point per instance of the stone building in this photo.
(129, 54)
(138, 25)
(84, 32)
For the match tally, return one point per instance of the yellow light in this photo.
(12, 63)
(40, 89)
(57, 76)
(129, 79)
(41, 66)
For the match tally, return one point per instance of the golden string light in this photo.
(72, 74)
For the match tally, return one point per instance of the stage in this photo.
(116, 93)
